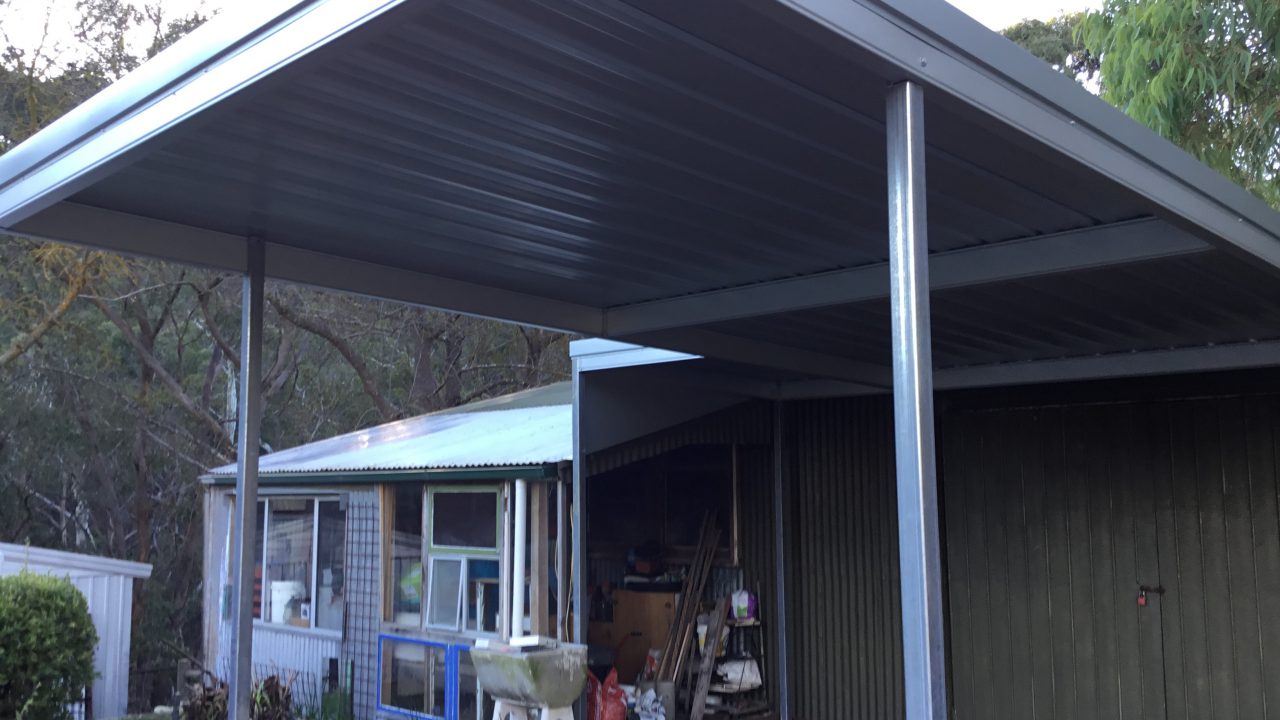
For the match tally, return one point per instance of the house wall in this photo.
(290, 652)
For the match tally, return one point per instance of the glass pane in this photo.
(330, 556)
(465, 519)
(446, 585)
(289, 536)
(406, 556)
(473, 702)
(414, 677)
(482, 595)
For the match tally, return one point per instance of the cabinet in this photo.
(641, 620)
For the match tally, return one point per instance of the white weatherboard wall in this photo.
(292, 653)
(107, 586)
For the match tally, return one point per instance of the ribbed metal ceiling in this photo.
(608, 153)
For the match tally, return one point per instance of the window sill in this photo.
(295, 630)
(436, 634)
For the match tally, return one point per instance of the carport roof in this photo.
(670, 173)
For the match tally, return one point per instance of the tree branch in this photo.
(348, 353)
(153, 363)
(24, 341)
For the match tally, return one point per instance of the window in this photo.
(290, 530)
(415, 676)
(463, 555)
(405, 575)
(461, 519)
(300, 573)
(459, 550)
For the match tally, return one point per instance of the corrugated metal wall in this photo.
(846, 653)
(109, 597)
(1054, 516)
(755, 546)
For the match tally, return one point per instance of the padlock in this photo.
(1142, 598)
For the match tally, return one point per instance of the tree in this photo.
(118, 376)
(1057, 43)
(1202, 73)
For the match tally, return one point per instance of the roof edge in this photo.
(222, 57)
(67, 560)
(938, 45)
(373, 477)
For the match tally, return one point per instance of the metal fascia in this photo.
(65, 169)
(927, 40)
(599, 354)
(368, 477)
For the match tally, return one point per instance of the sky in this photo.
(1000, 14)
(22, 21)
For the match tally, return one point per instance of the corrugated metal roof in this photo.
(562, 162)
(533, 427)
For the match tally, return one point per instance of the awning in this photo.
(671, 173)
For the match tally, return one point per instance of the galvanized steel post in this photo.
(918, 546)
(578, 516)
(248, 436)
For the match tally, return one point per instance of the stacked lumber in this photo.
(683, 635)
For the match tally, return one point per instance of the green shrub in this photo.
(46, 647)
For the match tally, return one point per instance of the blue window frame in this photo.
(404, 653)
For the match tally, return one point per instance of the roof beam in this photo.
(146, 237)
(1236, 356)
(711, 344)
(1124, 242)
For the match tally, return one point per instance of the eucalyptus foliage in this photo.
(1202, 73)
(1057, 42)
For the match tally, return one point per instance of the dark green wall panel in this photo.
(1054, 516)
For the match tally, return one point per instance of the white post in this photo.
(518, 565)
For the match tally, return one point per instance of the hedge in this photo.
(46, 647)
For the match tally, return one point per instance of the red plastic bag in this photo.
(605, 701)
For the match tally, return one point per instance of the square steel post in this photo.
(248, 437)
(919, 554)
(578, 515)
(578, 518)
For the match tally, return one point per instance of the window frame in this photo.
(265, 510)
(429, 552)
(428, 505)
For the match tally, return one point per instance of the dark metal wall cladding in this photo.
(1053, 518)
(845, 620)
(747, 423)
(755, 543)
